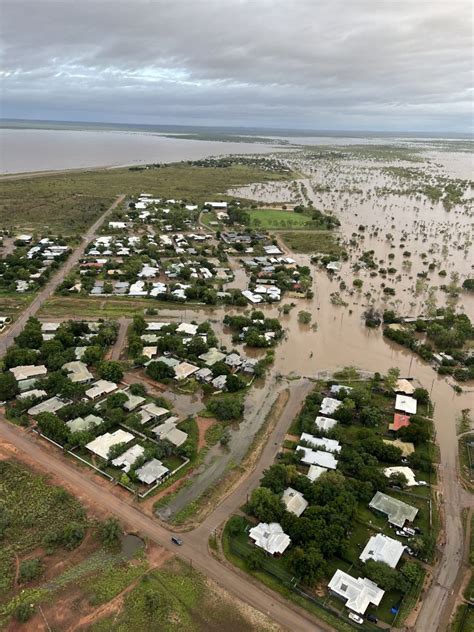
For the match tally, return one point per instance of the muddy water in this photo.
(337, 336)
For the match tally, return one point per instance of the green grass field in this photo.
(176, 597)
(312, 242)
(100, 307)
(268, 219)
(69, 202)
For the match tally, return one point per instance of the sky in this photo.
(395, 65)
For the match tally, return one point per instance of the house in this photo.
(233, 360)
(317, 457)
(101, 445)
(399, 421)
(78, 372)
(169, 432)
(126, 460)
(381, 548)
(272, 250)
(397, 511)
(404, 386)
(338, 388)
(35, 392)
(212, 356)
(325, 423)
(28, 371)
(294, 501)
(406, 404)
(99, 388)
(329, 405)
(219, 382)
(155, 412)
(80, 424)
(400, 469)
(315, 472)
(358, 593)
(270, 537)
(133, 401)
(151, 472)
(329, 445)
(187, 328)
(47, 406)
(184, 370)
(203, 375)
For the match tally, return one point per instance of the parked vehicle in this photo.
(356, 618)
(372, 618)
(401, 534)
(176, 540)
(409, 531)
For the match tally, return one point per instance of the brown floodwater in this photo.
(24, 150)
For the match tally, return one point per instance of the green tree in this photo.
(30, 570)
(8, 386)
(266, 505)
(110, 532)
(110, 370)
(308, 564)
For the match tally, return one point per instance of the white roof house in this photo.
(188, 329)
(169, 432)
(397, 511)
(79, 424)
(317, 457)
(359, 593)
(212, 356)
(325, 423)
(78, 372)
(315, 472)
(156, 412)
(28, 371)
(151, 471)
(184, 370)
(406, 404)
(404, 386)
(329, 405)
(337, 388)
(270, 537)
(102, 444)
(329, 445)
(381, 548)
(294, 501)
(99, 388)
(406, 471)
(126, 460)
(35, 392)
(47, 406)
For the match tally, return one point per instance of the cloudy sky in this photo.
(318, 64)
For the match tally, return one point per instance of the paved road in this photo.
(8, 337)
(195, 547)
(116, 351)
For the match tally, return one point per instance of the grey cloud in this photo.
(298, 63)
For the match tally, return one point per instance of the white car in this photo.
(356, 618)
(402, 534)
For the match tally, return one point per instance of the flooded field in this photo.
(337, 336)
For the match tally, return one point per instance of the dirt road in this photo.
(9, 336)
(195, 548)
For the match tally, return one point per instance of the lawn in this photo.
(69, 202)
(31, 510)
(100, 307)
(177, 597)
(325, 242)
(268, 219)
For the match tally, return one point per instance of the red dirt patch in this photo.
(203, 424)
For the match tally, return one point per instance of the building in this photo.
(169, 432)
(338, 388)
(48, 406)
(101, 445)
(404, 386)
(397, 512)
(358, 593)
(400, 469)
(28, 371)
(80, 424)
(188, 329)
(155, 412)
(294, 501)
(35, 392)
(270, 537)
(78, 372)
(317, 457)
(99, 388)
(329, 405)
(381, 548)
(233, 360)
(329, 445)
(184, 370)
(315, 472)
(325, 423)
(406, 404)
(212, 356)
(203, 375)
(219, 382)
(126, 460)
(399, 421)
(151, 472)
